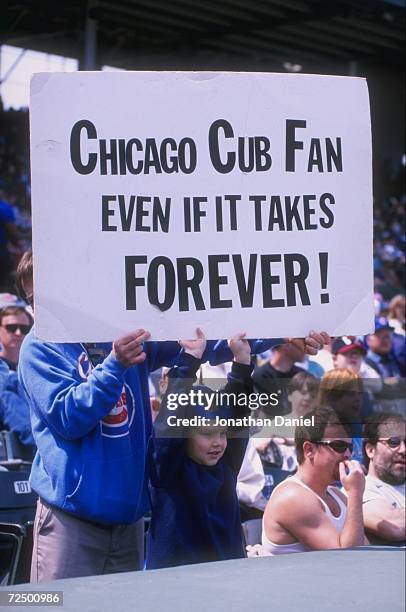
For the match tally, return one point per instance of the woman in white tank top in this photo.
(269, 548)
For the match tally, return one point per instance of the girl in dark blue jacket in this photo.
(195, 511)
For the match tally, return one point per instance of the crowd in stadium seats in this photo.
(15, 205)
(354, 386)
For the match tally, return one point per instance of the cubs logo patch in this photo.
(119, 414)
(118, 422)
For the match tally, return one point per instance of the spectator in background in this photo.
(348, 352)
(380, 354)
(276, 373)
(302, 393)
(15, 323)
(279, 450)
(342, 390)
(324, 357)
(384, 496)
(396, 314)
(160, 386)
(9, 235)
(250, 484)
(390, 366)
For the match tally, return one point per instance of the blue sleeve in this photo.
(239, 382)
(57, 396)
(7, 214)
(15, 413)
(180, 380)
(4, 370)
(217, 351)
(239, 379)
(161, 354)
(16, 416)
(169, 452)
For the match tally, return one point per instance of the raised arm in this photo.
(168, 442)
(240, 385)
(181, 378)
(218, 351)
(56, 393)
(300, 513)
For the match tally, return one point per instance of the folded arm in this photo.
(384, 521)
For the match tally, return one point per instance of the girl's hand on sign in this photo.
(240, 348)
(197, 346)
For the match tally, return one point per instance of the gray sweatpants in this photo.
(68, 547)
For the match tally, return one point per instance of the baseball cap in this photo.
(382, 323)
(344, 344)
(9, 299)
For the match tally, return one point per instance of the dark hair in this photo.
(372, 424)
(301, 381)
(11, 310)
(24, 272)
(323, 416)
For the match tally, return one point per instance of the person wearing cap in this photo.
(195, 509)
(390, 366)
(349, 352)
(380, 354)
(15, 323)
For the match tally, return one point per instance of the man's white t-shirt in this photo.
(376, 489)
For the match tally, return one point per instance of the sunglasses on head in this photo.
(338, 446)
(12, 328)
(393, 442)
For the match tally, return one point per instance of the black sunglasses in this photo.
(338, 446)
(12, 328)
(393, 442)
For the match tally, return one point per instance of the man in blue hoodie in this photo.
(15, 323)
(91, 421)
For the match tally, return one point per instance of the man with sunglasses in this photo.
(384, 496)
(306, 512)
(15, 323)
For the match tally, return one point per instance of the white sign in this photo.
(229, 201)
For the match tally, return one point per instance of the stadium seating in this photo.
(17, 512)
